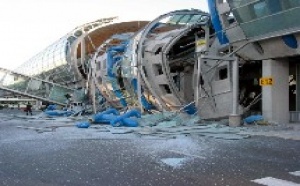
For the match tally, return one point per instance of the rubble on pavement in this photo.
(164, 125)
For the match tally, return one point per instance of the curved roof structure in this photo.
(104, 49)
(57, 55)
(100, 35)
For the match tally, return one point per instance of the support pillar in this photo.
(235, 117)
(275, 98)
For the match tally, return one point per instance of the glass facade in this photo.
(186, 19)
(54, 62)
(261, 17)
(52, 57)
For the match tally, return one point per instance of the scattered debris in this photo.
(113, 117)
(121, 131)
(53, 113)
(163, 125)
(177, 127)
(213, 131)
(174, 162)
(187, 154)
(45, 129)
(83, 124)
(38, 130)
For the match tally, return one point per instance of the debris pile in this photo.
(113, 117)
(165, 124)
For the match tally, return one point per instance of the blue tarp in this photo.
(83, 124)
(145, 103)
(111, 61)
(59, 112)
(113, 117)
(51, 107)
(125, 119)
(253, 118)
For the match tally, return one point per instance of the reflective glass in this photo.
(49, 59)
(195, 18)
(174, 19)
(185, 19)
(260, 17)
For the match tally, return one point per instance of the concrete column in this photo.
(275, 98)
(235, 117)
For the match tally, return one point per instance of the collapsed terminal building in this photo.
(213, 65)
(109, 58)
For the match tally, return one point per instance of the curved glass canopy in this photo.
(262, 17)
(52, 57)
(55, 62)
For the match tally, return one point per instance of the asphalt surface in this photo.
(72, 156)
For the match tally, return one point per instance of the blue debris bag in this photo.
(51, 107)
(128, 122)
(253, 118)
(83, 124)
(106, 116)
(125, 119)
(59, 113)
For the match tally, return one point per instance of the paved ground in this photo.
(72, 156)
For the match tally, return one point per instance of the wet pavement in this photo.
(73, 156)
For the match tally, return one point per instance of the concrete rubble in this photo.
(158, 125)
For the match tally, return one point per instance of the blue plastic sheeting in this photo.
(128, 114)
(128, 122)
(190, 109)
(252, 119)
(216, 22)
(111, 61)
(83, 124)
(59, 113)
(145, 103)
(51, 107)
(111, 111)
(106, 116)
(111, 116)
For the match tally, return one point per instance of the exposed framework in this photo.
(169, 63)
(148, 64)
(54, 69)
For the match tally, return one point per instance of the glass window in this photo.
(240, 3)
(195, 18)
(260, 17)
(185, 19)
(174, 19)
(293, 3)
(260, 9)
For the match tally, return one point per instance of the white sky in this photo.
(29, 26)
